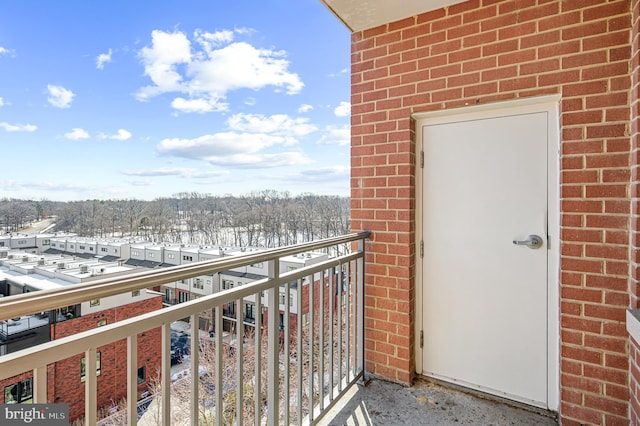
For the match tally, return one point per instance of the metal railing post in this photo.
(219, 365)
(195, 369)
(360, 305)
(132, 380)
(273, 347)
(40, 385)
(239, 362)
(165, 375)
(90, 388)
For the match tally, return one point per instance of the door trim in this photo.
(551, 105)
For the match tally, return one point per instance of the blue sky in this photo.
(144, 99)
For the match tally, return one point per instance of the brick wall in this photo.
(64, 380)
(483, 51)
(634, 270)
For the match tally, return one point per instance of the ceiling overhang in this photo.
(358, 15)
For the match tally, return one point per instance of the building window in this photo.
(71, 246)
(83, 366)
(45, 243)
(227, 284)
(183, 296)
(151, 255)
(198, 284)
(90, 248)
(249, 312)
(189, 258)
(142, 374)
(134, 252)
(257, 265)
(135, 293)
(94, 302)
(104, 249)
(19, 393)
(281, 321)
(171, 256)
(283, 297)
(82, 247)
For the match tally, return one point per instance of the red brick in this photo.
(584, 30)
(605, 312)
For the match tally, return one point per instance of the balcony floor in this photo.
(427, 403)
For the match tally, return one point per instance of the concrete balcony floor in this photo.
(427, 403)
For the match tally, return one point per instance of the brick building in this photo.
(66, 378)
(430, 81)
(20, 273)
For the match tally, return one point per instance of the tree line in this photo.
(265, 218)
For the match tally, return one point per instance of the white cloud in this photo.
(2, 102)
(175, 171)
(4, 51)
(219, 144)
(305, 108)
(262, 161)
(210, 68)
(77, 134)
(102, 59)
(336, 173)
(18, 127)
(232, 149)
(277, 124)
(141, 182)
(59, 97)
(341, 72)
(122, 135)
(209, 41)
(343, 110)
(334, 135)
(198, 105)
(14, 185)
(160, 62)
(244, 30)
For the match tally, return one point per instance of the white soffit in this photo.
(360, 15)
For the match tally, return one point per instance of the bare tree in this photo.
(265, 218)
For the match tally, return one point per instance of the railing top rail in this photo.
(45, 300)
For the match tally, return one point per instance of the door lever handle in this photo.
(532, 241)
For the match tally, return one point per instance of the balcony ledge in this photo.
(427, 403)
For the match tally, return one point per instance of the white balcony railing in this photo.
(301, 363)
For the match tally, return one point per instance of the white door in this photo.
(485, 286)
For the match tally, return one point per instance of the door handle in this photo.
(532, 241)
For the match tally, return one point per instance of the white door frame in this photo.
(549, 104)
